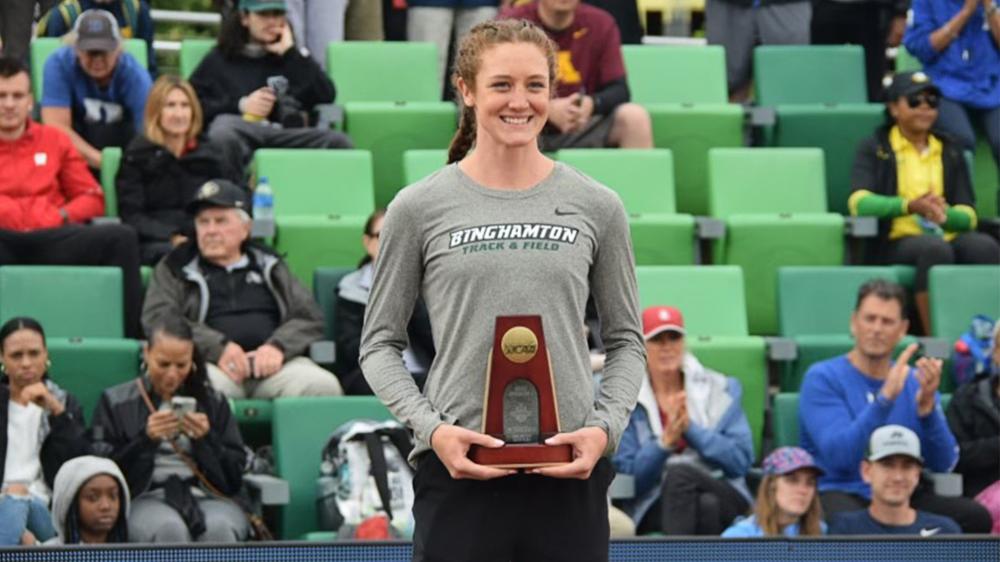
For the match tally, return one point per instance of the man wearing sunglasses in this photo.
(916, 181)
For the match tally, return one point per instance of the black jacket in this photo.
(875, 170)
(67, 436)
(119, 432)
(220, 82)
(974, 418)
(154, 186)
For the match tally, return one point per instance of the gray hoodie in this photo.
(71, 477)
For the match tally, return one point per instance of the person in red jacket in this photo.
(47, 194)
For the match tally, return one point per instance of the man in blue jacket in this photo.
(844, 399)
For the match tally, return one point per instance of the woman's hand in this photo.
(451, 444)
(38, 394)
(162, 425)
(195, 425)
(588, 445)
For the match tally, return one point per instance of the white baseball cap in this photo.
(890, 440)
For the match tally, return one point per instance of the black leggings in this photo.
(926, 251)
(692, 502)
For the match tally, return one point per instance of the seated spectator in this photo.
(159, 444)
(90, 503)
(252, 320)
(93, 90)
(47, 194)
(687, 442)
(41, 427)
(844, 399)
(958, 44)
(787, 502)
(133, 19)
(352, 301)
(591, 108)
(162, 169)
(258, 90)
(916, 181)
(444, 23)
(892, 469)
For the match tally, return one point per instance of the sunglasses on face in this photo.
(931, 99)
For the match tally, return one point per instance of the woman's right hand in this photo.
(162, 425)
(451, 444)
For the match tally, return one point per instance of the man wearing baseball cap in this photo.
(93, 90)
(252, 319)
(688, 443)
(892, 468)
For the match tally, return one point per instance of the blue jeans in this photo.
(957, 119)
(18, 514)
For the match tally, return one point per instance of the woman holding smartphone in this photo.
(503, 231)
(177, 443)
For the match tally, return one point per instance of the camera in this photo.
(287, 110)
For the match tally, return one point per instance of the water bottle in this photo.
(263, 201)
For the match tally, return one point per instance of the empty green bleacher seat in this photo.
(386, 71)
(795, 74)
(959, 292)
(644, 179)
(69, 301)
(85, 367)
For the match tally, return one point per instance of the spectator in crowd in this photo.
(787, 502)
(352, 301)
(959, 45)
(688, 442)
(90, 502)
(93, 90)
(916, 181)
(41, 427)
(892, 470)
(16, 17)
(740, 25)
(162, 169)
(317, 23)
(252, 320)
(170, 452)
(591, 108)
(258, 90)
(133, 19)
(47, 194)
(844, 399)
(444, 23)
(872, 24)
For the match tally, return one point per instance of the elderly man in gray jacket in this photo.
(252, 320)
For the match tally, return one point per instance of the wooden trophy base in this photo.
(522, 455)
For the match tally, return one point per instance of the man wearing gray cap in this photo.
(252, 320)
(93, 90)
(892, 468)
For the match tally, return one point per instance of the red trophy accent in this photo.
(520, 405)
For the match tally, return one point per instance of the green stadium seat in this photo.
(418, 164)
(322, 199)
(774, 205)
(644, 181)
(794, 74)
(69, 301)
(412, 67)
(85, 367)
(985, 180)
(653, 73)
(325, 281)
(710, 297)
(300, 430)
(42, 47)
(905, 61)
(111, 158)
(785, 416)
(192, 51)
(254, 416)
(959, 292)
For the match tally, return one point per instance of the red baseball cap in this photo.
(657, 319)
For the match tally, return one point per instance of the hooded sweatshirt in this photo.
(70, 478)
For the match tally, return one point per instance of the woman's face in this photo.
(793, 492)
(915, 113)
(511, 95)
(99, 504)
(169, 361)
(371, 240)
(176, 115)
(665, 352)
(24, 357)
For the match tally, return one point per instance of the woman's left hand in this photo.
(588, 446)
(195, 425)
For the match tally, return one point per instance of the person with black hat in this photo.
(93, 90)
(915, 179)
(252, 320)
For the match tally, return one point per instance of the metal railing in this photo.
(178, 16)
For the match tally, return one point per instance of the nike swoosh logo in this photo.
(929, 532)
(564, 213)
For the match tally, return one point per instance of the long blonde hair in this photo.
(467, 62)
(158, 99)
(767, 510)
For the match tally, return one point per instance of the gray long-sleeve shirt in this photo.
(476, 253)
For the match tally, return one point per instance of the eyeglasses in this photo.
(931, 99)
